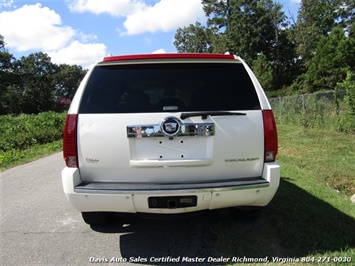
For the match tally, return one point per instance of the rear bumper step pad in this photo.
(117, 188)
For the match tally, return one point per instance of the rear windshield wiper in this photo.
(204, 114)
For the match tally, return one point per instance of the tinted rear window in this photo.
(169, 87)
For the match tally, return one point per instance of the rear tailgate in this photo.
(108, 153)
(124, 103)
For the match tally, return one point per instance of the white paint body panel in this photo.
(107, 155)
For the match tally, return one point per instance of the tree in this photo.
(249, 28)
(2, 43)
(263, 70)
(347, 14)
(218, 13)
(347, 121)
(67, 80)
(332, 59)
(315, 20)
(9, 95)
(193, 39)
(253, 27)
(38, 86)
(34, 84)
(286, 65)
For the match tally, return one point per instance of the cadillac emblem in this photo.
(170, 126)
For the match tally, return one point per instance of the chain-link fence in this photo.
(318, 110)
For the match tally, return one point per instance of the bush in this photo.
(347, 120)
(23, 131)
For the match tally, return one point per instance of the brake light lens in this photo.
(70, 151)
(168, 56)
(270, 135)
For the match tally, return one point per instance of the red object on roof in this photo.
(168, 56)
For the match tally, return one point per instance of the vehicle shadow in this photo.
(295, 224)
(166, 238)
(314, 226)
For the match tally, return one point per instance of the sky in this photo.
(83, 31)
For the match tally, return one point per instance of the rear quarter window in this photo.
(169, 87)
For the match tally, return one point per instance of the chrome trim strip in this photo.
(169, 189)
(170, 163)
(186, 130)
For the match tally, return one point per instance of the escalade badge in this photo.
(170, 126)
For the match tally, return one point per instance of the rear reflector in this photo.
(168, 56)
(69, 141)
(270, 135)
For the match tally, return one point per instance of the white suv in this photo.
(167, 134)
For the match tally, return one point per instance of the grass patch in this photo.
(13, 158)
(311, 214)
(325, 157)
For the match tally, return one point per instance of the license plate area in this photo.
(177, 148)
(172, 202)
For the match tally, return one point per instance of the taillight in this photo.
(70, 151)
(270, 135)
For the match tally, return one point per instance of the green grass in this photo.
(15, 157)
(311, 214)
(327, 158)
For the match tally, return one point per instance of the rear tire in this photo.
(97, 218)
